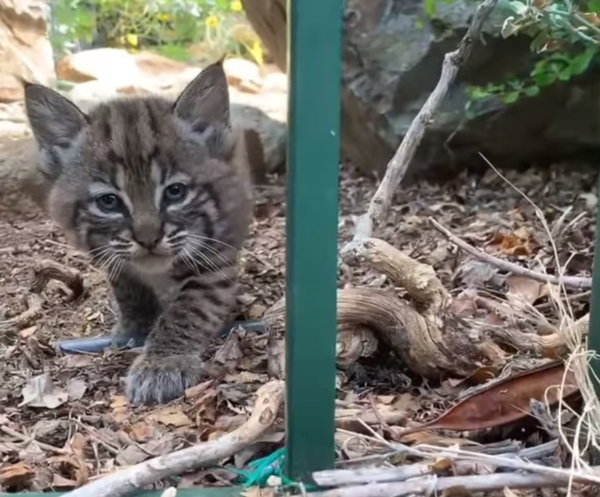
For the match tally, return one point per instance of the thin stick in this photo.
(570, 281)
(429, 485)
(264, 414)
(398, 165)
(338, 477)
(34, 308)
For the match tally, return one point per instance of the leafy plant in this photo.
(565, 37)
(180, 29)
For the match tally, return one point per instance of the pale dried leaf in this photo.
(244, 377)
(476, 273)
(170, 416)
(523, 290)
(198, 389)
(169, 492)
(41, 392)
(76, 388)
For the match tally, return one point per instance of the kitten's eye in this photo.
(175, 192)
(108, 202)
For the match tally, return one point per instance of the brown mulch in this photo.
(63, 419)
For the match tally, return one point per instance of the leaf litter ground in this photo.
(64, 419)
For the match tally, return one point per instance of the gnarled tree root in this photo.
(428, 337)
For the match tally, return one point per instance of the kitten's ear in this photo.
(205, 101)
(54, 120)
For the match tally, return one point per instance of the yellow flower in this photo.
(236, 6)
(212, 21)
(132, 39)
(256, 51)
(164, 17)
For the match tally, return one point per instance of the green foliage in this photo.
(179, 29)
(565, 37)
(551, 68)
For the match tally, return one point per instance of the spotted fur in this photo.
(157, 193)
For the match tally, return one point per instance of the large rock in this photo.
(25, 49)
(392, 61)
(117, 67)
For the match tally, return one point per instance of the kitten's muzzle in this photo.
(148, 234)
(149, 244)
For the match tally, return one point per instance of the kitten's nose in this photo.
(148, 244)
(148, 235)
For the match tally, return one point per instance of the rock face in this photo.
(392, 61)
(25, 49)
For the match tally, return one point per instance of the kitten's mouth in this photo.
(152, 262)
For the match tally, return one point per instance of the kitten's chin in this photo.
(153, 264)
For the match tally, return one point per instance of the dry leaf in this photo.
(15, 474)
(76, 388)
(591, 201)
(71, 466)
(120, 407)
(519, 243)
(230, 352)
(504, 401)
(476, 273)
(133, 454)
(440, 465)
(523, 290)
(77, 445)
(198, 389)
(41, 392)
(169, 492)
(27, 332)
(60, 482)
(509, 493)
(259, 492)
(494, 319)
(464, 306)
(244, 377)
(118, 401)
(142, 431)
(171, 416)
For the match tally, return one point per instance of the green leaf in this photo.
(544, 78)
(532, 91)
(594, 6)
(565, 74)
(581, 62)
(540, 40)
(430, 7)
(511, 97)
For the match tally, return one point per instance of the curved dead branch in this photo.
(424, 347)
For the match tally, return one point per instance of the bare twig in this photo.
(269, 398)
(398, 165)
(34, 308)
(47, 270)
(338, 477)
(335, 477)
(570, 281)
(431, 485)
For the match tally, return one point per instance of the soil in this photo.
(63, 418)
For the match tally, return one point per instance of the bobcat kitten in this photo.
(157, 193)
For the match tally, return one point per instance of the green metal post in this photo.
(594, 330)
(314, 72)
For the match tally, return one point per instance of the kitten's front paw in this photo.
(161, 379)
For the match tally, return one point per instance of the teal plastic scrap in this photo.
(262, 469)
